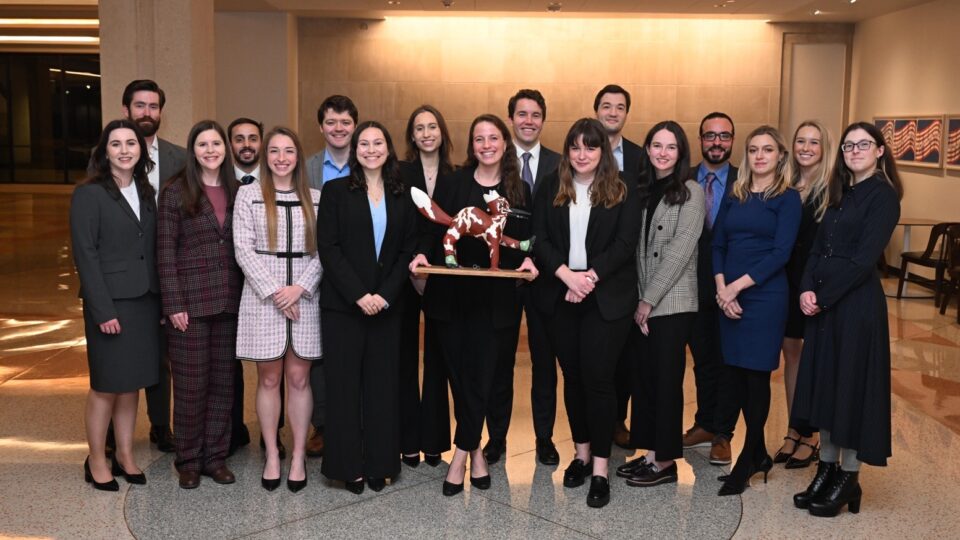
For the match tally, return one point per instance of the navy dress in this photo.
(756, 237)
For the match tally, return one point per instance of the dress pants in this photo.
(424, 415)
(716, 405)
(500, 403)
(158, 395)
(543, 390)
(588, 348)
(202, 359)
(362, 432)
(657, 419)
(469, 347)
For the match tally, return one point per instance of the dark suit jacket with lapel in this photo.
(173, 159)
(346, 246)
(113, 250)
(611, 242)
(549, 161)
(632, 154)
(706, 285)
(198, 269)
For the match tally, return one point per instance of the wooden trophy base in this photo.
(475, 272)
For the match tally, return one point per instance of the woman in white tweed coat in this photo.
(274, 223)
(673, 213)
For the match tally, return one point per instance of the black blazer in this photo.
(632, 156)
(347, 251)
(115, 253)
(611, 242)
(549, 162)
(706, 284)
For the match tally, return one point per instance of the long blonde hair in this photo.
(300, 185)
(817, 189)
(781, 176)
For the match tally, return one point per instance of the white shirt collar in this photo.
(240, 173)
(534, 152)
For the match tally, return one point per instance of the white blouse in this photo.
(579, 218)
(132, 197)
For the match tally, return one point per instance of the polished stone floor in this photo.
(43, 383)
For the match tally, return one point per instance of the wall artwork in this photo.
(916, 141)
(952, 149)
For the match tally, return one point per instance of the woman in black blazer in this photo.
(424, 418)
(365, 236)
(587, 224)
(475, 314)
(113, 225)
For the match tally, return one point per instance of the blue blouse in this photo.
(378, 213)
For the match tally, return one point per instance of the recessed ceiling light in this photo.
(393, 2)
(817, 12)
(49, 22)
(853, 1)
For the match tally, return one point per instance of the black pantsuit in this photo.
(589, 348)
(500, 405)
(543, 389)
(717, 409)
(657, 419)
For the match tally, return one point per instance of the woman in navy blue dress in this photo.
(752, 241)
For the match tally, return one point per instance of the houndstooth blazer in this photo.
(263, 332)
(667, 261)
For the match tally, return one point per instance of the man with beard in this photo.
(612, 105)
(143, 102)
(716, 412)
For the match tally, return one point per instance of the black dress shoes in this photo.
(494, 450)
(450, 489)
(112, 485)
(652, 476)
(163, 438)
(843, 491)
(296, 485)
(547, 452)
(576, 473)
(377, 484)
(821, 482)
(632, 467)
(117, 470)
(481, 482)
(411, 461)
(599, 494)
(355, 486)
(432, 459)
(800, 463)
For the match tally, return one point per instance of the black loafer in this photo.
(494, 450)
(632, 467)
(599, 494)
(355, 487)
(651, 476)
(547, 452)
(576, 473)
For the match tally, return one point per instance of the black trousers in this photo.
(716, 405)
(469, 349)
(543, 389)
(424, 417)
(752, 391)
(158, 395)
(236, 409)
(588, 348)
(657, 420)
(500, 403)
(360, 364)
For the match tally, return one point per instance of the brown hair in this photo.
(191, 177)
(842, 176)
(781, 176)
(509, 164)
(607, 189)
(446, 145)
(300, 185)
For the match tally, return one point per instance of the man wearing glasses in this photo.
(716, 413)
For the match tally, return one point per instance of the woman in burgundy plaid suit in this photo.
(200, 289)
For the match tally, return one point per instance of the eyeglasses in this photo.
(863, 146)
(711, 136)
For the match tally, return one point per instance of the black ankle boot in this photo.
(845, 490)
(821, 481)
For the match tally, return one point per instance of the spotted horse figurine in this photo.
(472, 221)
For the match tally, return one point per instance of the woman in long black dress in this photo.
(843, 387)
(473, 314)
(424, 417)
(113, 225)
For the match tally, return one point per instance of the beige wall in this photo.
(674, 69)
(905, 63)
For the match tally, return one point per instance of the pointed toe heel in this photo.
(481, 482)
(450, 489)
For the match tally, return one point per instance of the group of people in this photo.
(241, 248)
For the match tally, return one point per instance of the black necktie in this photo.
(247, 179)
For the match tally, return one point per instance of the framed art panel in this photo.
(952, 148)
(915, 141)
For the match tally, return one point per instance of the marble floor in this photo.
(43, 382)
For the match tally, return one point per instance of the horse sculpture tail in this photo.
(428, 208)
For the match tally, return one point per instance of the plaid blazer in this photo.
(195, 258)
(667, 261)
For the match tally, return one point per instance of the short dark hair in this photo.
(611, 89)
(716, 114)
(339, 104)
(527, 93)
(243, 120)
(142, 85)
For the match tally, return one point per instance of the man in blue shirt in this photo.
(337, 116)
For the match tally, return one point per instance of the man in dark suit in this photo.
(612, 106)
(716, 410)
(527, 110)
(143, 102)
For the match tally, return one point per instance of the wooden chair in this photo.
(951, 248)
(932, 257)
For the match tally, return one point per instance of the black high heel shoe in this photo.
(117, 470)
(781, 456)
(377, 484)
(820, 483)
(794, 463)
(480, 482)
(450, 489)
(355, 486)
(431, 459)
(843, 491)
(112, 485)
(296, 485)
(269, 484)
(410, 461)
(732, 485)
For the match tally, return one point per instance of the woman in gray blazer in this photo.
(113, 220)
(673, 213)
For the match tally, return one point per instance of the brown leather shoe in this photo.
(315, 444)
(221, 475)
(697, 437)
(189, 479)
(621, 436)
(720, 451)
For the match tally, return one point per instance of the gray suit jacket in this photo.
(115, 253)
(667, 261)
(315, 170)
(173, 159)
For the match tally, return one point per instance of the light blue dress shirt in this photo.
(379, 215)
(719, 188)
